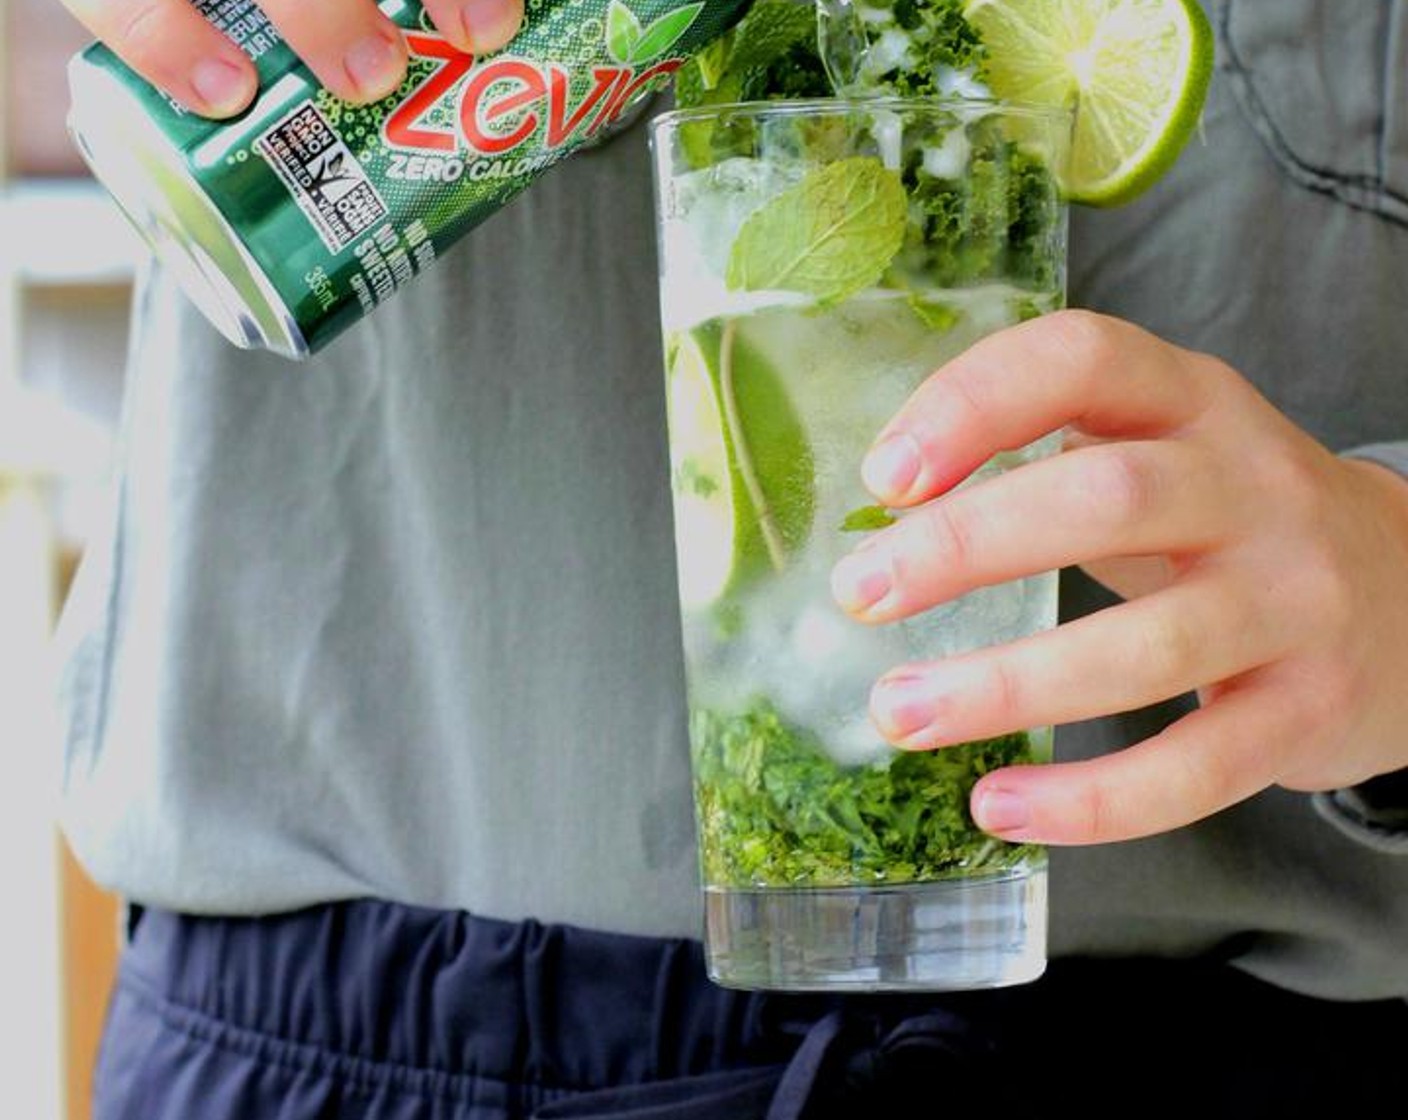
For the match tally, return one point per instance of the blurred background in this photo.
(66, 267)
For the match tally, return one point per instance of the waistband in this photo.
(584, 1023)
(444, 990)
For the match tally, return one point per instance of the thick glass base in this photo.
(959, 933)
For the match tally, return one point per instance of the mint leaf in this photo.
(867, 519)
(830, 236)
(710, 63)
(770, 30)
(691, 478)
(771, 52)
(1026, 309)
(933, 313)
(623, 32)
(661, 35)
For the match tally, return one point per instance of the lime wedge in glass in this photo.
(740, 464)
(1136, 71)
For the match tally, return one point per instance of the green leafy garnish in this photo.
(706, 69)
(830, 236)
(1027, 309)
(934, 313)
(770, 53)
(775, 810)
(692, 478)
(867, 519)
(995, 222)
(939, 42)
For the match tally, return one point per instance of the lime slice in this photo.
(740, 463)
(1137, 72)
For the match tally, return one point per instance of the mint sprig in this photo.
(756, 58)
(829, 237)
(867, 519)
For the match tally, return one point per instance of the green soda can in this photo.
(291, 222)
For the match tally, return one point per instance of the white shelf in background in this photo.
(65, 232)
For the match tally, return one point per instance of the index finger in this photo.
(1101, 374)
(175, 48)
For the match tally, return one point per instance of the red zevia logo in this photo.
(523, 95)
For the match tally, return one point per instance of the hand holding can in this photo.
(293, 221)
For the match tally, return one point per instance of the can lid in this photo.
(147, 176)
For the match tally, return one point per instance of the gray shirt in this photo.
(401, 621)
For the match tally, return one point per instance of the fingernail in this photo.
(374, 65)
(222, 87)
(859, 581)
(488, 24)
(902, 705)
(891, 466)
(1000, 810)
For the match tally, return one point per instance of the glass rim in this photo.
(817, 106)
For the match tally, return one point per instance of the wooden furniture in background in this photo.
(90, 931)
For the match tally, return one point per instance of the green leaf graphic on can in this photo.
(661, 35)
(630, 44)
(623, 31)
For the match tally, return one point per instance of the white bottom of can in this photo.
(148, 178)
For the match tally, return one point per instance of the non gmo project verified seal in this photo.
(323, 176)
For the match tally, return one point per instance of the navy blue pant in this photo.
(369, 1011)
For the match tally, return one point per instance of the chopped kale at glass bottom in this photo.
(776, 811)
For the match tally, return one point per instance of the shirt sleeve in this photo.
(1374, 812)
(1394, 456)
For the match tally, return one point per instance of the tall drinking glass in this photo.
(819, 260)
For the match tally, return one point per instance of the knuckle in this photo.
(1319, 592)
(1120, 483)
(1206, 780)
(1005, 695)
(1332, 591)
(1168, 647)
(1208, 380)
(967, 395)
(1295, 475)
(1095, 811)
(141, 30)
(946, 538)
(1328, 696)
(1087, 341)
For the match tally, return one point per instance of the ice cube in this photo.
(947, 160)
(703, 215)
(821, 636)
(891, 50)
(951, 82)
(857, 743)
(715, 202)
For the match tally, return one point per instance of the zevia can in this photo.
(289, 223)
